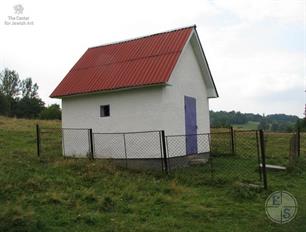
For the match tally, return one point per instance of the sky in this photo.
(256, 49)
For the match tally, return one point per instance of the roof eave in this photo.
(215, 94)
(109, 90)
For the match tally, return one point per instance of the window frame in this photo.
(106, 111)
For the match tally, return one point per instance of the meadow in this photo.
(250, 125)
(51, 193)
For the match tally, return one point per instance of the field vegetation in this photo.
(52, 193)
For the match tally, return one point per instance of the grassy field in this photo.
(250, 125)
(57, 194)
(277, 144)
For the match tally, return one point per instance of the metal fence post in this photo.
(63, 142)
(258, 156)
(38, 140)
(298, 138)
(210, 159)
(91, 149)
(125, 153)
(163, 138)
(263, 158)
(232, 140)
(161, 151)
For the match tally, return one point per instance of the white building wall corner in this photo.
(144, 109)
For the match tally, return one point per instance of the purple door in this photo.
(191, 125)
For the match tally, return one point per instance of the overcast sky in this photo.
(256, 49)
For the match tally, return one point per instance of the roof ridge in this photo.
(160, 58)
(142, 37)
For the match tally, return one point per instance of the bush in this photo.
(28, 107)
(4, 105)
(51, 112)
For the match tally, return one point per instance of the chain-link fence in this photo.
(221, 142)
(303, 144)
(235, 154)
(137, 150)
(232, 155)
(76, 142)
(278, 148)
(240, 160)
(227, 156)
(187, 150)
(50, 141)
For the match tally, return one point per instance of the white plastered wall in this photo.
(186, 80)
(143, 109)
(130, 111)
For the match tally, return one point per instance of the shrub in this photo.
(51, 112)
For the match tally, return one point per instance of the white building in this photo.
(157, 82)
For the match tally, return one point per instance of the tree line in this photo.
(272, 122)
(19, 98)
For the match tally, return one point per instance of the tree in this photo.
(10, 89)
(10, 83)
(275, 126)
(4, 104)
(29, 107)
(51, 112)
(263, 125)
(28, 89)
(301, 124)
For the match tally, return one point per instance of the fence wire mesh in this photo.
(241, 161)
(232, 155)
(109, 146)
(303, 144)
(76, 142)
(51, 142)
(186, 150)
(221, 142)
(278, 148)
(139, 150)
(143, 145)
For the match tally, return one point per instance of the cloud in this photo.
(254, 48)
(284, 11)
(257, 54)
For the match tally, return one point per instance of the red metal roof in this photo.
(145, 61)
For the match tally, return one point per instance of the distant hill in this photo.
(273, 122)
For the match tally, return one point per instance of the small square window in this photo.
(104, 111)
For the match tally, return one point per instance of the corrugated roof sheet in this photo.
(145, 61)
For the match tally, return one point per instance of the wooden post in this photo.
(263, 158)
(38, 140)
(163, 138)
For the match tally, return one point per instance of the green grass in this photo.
(56, 194)
(250, 125)
(277, 145)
